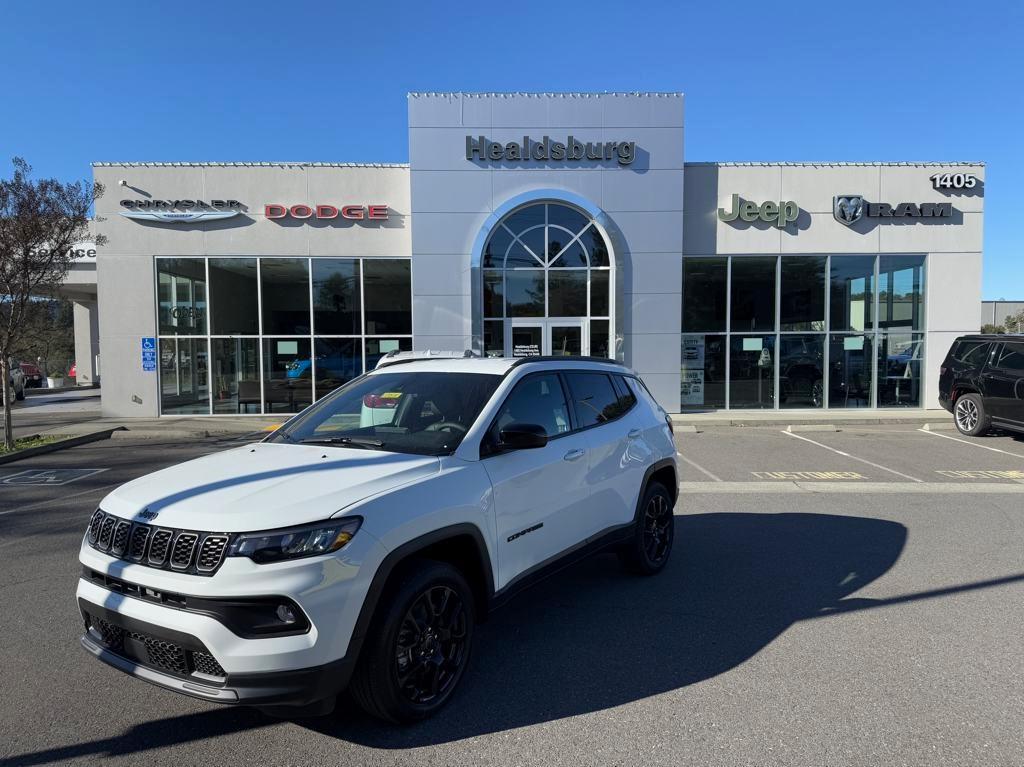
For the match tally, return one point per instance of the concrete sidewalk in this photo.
(783, 418)
(171, 428)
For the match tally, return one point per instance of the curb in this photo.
(793, 428)
(82, 439)
(127, 433)
(943, 426)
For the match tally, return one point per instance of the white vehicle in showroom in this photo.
(347, 551)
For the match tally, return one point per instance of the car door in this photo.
(618, 455)
(1003, 383)
(540, 495)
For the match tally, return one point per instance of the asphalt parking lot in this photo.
(808, 617)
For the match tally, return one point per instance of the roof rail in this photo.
(395, 357)
(566, 358)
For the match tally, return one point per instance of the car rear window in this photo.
(594, 398)
(1012, 357)
(971, 352)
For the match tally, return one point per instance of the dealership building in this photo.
(528, 224)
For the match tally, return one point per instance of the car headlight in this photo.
(295, 542)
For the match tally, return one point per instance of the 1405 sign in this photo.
(954, 180)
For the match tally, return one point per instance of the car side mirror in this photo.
(522, 436)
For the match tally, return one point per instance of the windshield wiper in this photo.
(355, 441)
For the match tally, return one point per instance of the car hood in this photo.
(264, 486)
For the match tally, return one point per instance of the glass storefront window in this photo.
(494, 338)
(802, 293)
(546, 260)
(337, 309)
(376, 348)
(183, 376)
(567, 293)
(852, 280)
(705, 281)
(802, 370)
(387, 291)
(849, 367)
(703, 371)
(234, 297)
(900, 292)
(753, 294)
(494, 294)
(274, 372)
(235, 374)
(899, 369)
(752, 371)
(524, 293)
(338, 361)
(287, 375)
(181, 296)
(285, 285)
(600, 296)
(599, 338)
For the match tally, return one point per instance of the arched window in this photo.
(547, 284)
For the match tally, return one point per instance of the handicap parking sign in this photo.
(148, 354)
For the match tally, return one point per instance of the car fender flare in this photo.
(402, 553)
(654, 467)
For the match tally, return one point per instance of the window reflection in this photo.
(184, 377)
(900, 295)
(338, 361)
(802, 293)
(753, 294)
(234, 296)
(181, 296)
(387, 290)
(802, 370)
(287, 375)
(336, 305)
(285, 284)
(752, 371)
(235, 375)
(704, 293)
(852, 280)
(849, 363)
(899, 369)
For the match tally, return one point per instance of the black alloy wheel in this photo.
(649, 551)
(419, 643)
(432, 645)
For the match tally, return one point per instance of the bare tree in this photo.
(40, 219)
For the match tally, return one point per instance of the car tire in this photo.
(969, 415)
(418, 645)
(651, 546)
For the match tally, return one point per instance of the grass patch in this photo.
(24, 443)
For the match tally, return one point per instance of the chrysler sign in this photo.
(180, 211)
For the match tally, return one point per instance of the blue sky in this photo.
(854, 81)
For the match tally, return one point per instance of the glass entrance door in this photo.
(533, 338)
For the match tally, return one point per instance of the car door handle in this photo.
(634, 433)
(573, 455)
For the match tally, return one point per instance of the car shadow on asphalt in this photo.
(593, 637)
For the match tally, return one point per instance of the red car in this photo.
(33, 375)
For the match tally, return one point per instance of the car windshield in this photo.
(402, 412)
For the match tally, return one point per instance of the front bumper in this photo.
(298, 687)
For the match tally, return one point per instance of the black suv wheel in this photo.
(418, 645)
(651, 546)
(969, 415)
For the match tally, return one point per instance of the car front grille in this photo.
(154, 652)
(189, 551)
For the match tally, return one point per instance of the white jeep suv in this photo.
(358, 544)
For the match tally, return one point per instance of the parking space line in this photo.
(62, 499)
(975, 444)
(848, 455)
(699, 468)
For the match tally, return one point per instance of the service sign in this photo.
(81, 252)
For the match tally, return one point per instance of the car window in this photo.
(594, 398)
(971, 352)
(626, 397)
(423, 413)
(537, 399)
(1012, 357)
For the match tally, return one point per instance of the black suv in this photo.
(981, 382)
